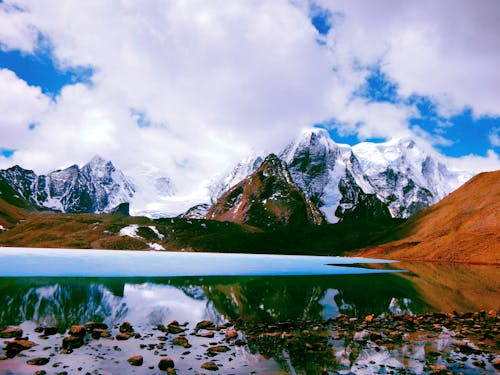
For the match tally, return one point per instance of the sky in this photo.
(190, 87)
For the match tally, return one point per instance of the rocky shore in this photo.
(433, 343)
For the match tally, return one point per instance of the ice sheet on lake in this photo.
(70, 262)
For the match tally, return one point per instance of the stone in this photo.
(166, 363)
(231, 333)
(77, 331)
(49, 331)
(15, 347)
(41, 372)
(11, 332)
(123, 336)
(90, 326)
(218, 349)
(205, 324)
(136, 360)
(208, 335)
(369, 318)
(126, 327)
(98, 333)
(210, 366)
(40, 361)
(181, 341)
(72, 342)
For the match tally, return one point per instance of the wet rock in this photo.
(437, 368)
(205, 324)
(136, 360)
(126, 327)
(166, 363)
(207, 335)
(49, 331)
(15, 347)
(231, 333)
(11, 332)
(210, 366)
(468, 349)
(77, 331)
(72, 342)
(218, 349)
(41, 372)
(181, 341)
(98, 333)
(174, 328)
(90, 326)
(40, 361)
(123, 336)
(38, 329)
(369, 318)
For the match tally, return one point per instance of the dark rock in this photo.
(11, 332)
(49, 331)
(72, 342)
(218, 349)
(210, 366)
(41, 372)
(205, 324)
(98, 333)
(90, 326)
(136, 360)
(40, 361)
(166, 363)
(123, 336)
(126, 327)
(77, 331)
(15, 347)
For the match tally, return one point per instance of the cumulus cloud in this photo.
(475, 163)
(208, 81)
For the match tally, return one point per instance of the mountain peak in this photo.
(98, 160)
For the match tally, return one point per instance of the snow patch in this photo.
(155, 246)
(130, 231)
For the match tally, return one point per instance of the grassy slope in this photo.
(463, 227)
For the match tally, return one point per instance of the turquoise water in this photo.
(114, 263)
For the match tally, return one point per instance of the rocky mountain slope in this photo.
(266, 198)
(395, 178)
(463, 227)
(97, 187)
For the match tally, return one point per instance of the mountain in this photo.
(97, 187)
(266, 198)
(463, 227)
(392, 179)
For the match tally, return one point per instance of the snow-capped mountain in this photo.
(97, 187)
(395, 178)
(266, 198)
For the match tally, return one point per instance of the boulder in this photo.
(136, 360)
(40, 361)
(210, 366)
(205, 324)
(15, 347)
(11, 332)
(72, 342)
(231, 333)
(90, 326)
(166, 363)
(181, 341)
(49, 331)
(126, 327)
(218, 349)
(77, 331)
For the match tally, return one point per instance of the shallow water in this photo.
(292, 288)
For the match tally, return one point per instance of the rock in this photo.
(126, 327)
(496, 363)
(49, 331)
(40, 361)
(90, 326)
(98, 333)
(437, 368)
(166, 363)
(208, 335)
(369, 318)
(11, 332)
(77, 331)
(210, 366)
(218, 349)
(15, 347)
(136, 360)
(123, 336)
(231, 333)
(72, 342)
(181, 341)
(205, 324)
(174, 329)
(41, 372)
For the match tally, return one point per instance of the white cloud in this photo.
(476, 163)
(494, 137)
(218, 78)
(20, 105)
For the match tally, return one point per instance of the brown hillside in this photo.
(10, 214)
(463, 227)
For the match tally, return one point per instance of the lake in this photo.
(61, 288)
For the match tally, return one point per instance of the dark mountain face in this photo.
(95, 188)
(266, 198)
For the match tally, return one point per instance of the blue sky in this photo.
(199, 84)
